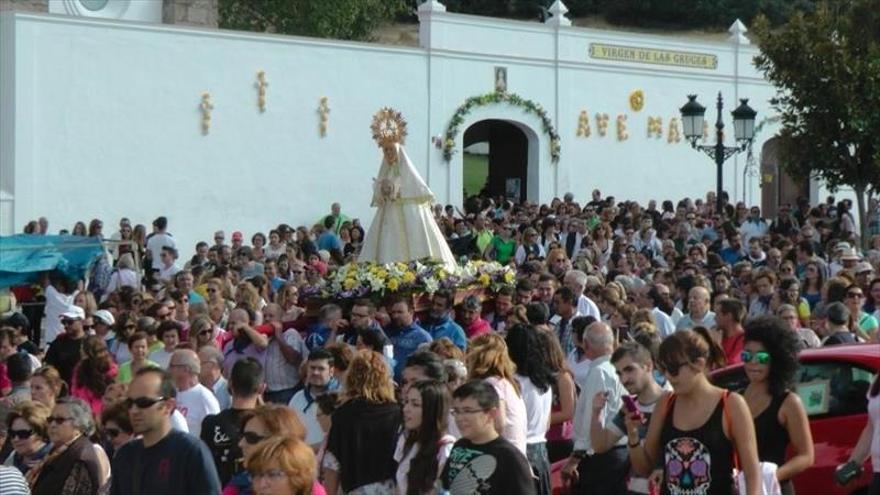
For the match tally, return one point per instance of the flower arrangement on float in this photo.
(372, 280)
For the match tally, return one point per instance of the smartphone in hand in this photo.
(631, 406)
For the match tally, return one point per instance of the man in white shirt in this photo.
(283, 356)
(320, 381)
(211, 361)
(588, 471)
(194, 401)
(167, 266)
(576, 280)
(159, 239)
(636, 371)
(59, 297)
(649, 297)
(698, 311)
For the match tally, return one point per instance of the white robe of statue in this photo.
(404, 228)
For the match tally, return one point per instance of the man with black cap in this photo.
(836, 331)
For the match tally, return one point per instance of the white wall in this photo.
(101, 118)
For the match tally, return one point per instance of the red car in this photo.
(832, 383)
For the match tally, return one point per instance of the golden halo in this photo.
(389, 127)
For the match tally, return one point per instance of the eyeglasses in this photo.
(206, 332)
(88, 327)
(112, 432)
(20, 434)
(211, 291)
(143, 402)
(272, 475)
(855, 295)
(761, 357)
(252, 438)
(672, 369)
(466, 412)
(65, 322)
(57, 420)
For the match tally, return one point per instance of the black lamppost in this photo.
(692, 114)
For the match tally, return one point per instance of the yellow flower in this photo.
(409, 277)
(382, 273)
(392, 285)
(441, 274)
(484, 280)
(349, 283)
(509, 277)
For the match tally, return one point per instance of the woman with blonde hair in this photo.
(248, 295)
(368, 417)
(263, 425)
(487, 359)
(47, 386)
(282, 466)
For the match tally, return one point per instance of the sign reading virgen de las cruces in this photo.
(641, 55)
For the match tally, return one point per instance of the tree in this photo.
(340, 19)
(826, 66)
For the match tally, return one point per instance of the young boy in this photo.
(482, 462)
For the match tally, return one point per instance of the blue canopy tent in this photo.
(24, 257)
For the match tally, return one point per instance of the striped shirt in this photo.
(12, 482)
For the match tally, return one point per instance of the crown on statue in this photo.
(389, 128)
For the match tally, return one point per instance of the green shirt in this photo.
(483, 239)
(124, 375)
(503, 249)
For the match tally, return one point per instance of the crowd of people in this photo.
(213, 373)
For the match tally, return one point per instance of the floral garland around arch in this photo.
(528, 106)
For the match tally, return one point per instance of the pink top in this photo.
(86, 394)
(515, 416)
(477, 328)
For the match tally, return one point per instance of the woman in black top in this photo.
(694, 433)
(364, 430)
(770, 360)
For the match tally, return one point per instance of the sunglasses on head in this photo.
(143, 402)
(20, 434)
(252, 438)
(760, 357)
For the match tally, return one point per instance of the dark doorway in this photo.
(777, 186)
(507, 157)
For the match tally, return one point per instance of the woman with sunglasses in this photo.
(265, 422)
(698, 434)
(27, 426)
(72, 466)
(864, 324)
(116, 427)
(770, 360)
